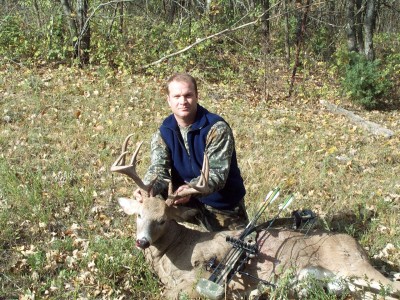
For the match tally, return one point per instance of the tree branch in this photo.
(200, 40)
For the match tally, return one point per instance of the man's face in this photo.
(182, 99)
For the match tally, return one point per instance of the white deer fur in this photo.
(178, 254)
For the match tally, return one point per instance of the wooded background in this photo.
(219, 39)
(117, 32)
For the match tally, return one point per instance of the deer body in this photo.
(178, 254)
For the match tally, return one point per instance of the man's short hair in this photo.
(181, 77)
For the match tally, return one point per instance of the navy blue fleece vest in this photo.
(186, 166)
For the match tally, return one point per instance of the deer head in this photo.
(153, 213)
(153, 218)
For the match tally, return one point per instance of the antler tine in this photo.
(134, 156)
(125, 147)
(130, 169)
(120, 161)
(201, 187)
(204, 177)
(171, 198)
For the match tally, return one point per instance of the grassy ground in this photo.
(62, 235)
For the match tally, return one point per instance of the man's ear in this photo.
(130, 206)
(181, 213)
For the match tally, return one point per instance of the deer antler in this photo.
(201, 187)
(130, 169)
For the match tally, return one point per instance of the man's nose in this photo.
(182, 99)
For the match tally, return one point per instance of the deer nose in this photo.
(142, 243)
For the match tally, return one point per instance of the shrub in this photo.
(12, 39)
(365, 82)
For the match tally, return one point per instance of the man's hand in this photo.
(184, 199)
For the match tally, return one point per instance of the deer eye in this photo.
(162, 222)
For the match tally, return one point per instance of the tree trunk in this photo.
(207, 5)
(299, 41)
(121, 18)
(372, 127)
(369, 26)
(350, 26)
(113, 18)
(72, 24)
(79, 28)
(265, 25)
(287, 32)
(172, 12)
(84, 31)
(359, 26)
(37, 10)
(332, 19)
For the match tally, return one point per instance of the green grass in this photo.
(62, 235)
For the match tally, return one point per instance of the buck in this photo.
(178, 254)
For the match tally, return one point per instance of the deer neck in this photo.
(172, 239)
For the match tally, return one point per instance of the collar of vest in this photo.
(200, 121)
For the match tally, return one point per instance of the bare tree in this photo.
(287, 34)
(79, 28)
(37, 10)
(350, 26)
(121, 18)
(359, 25)
(83, 42)
(265, 25)
(301, 29)
(369, 26)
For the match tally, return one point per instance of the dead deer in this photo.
(178, 254)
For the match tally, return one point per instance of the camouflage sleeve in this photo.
(160, 165)
(219, 148)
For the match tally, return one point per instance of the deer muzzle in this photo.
(142, 243)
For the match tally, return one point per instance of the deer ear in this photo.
(181, 213)
(130, 206)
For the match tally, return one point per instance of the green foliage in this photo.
(56, 45)
(145, 38)
(341, 60)
(34, 199)
(321, 43)
(13, 41)
(36, 261)
(387, 48)
(22, 190)
(365, 82)
(23, 41)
